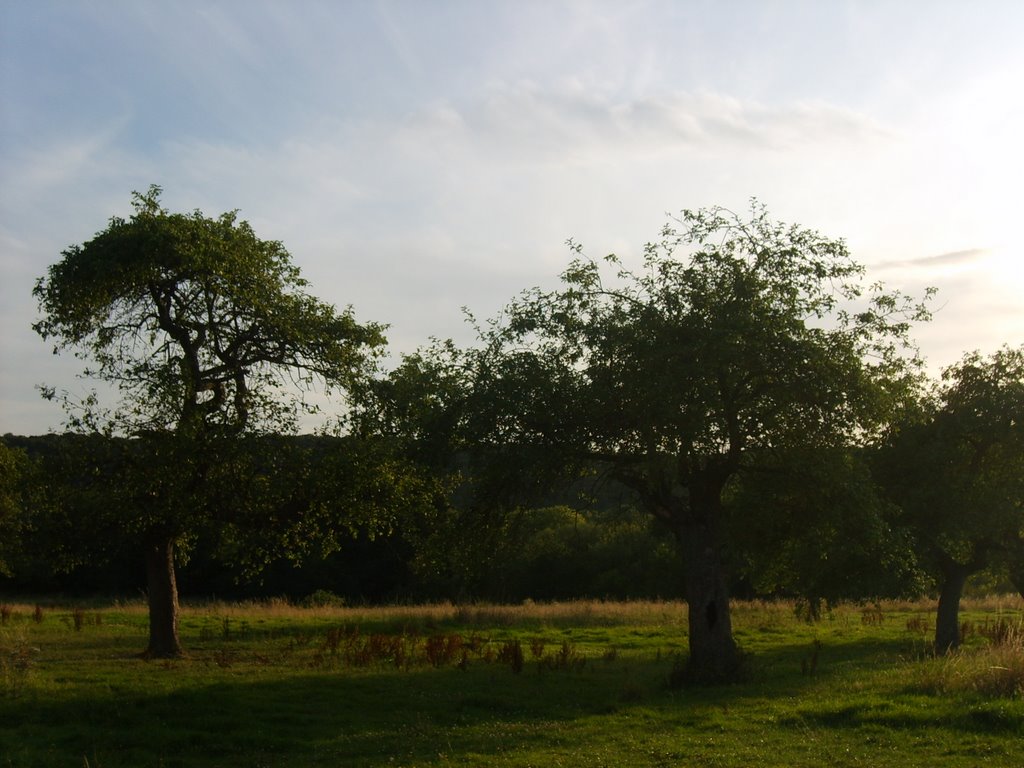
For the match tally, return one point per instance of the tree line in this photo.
(740, 413)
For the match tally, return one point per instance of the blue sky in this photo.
(416, 157)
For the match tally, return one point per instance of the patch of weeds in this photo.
(17, 658)
(809, 663)
(872, 616)
(536, 647)
(566, 657)
(999, 631)
(378, 648)
(919, 625)
(511, 653)
(808, 609)
(241, 631)
(441, 649)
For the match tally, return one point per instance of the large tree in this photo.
(732, 338)
(956, 468)
(209, 338)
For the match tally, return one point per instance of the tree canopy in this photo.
(200, 324)
(732, 338)
(955, 466)
(207, 334)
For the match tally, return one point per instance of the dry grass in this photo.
(564, 613)
(569, 613)
(995, 669)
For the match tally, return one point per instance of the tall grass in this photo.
(558, 613)
(994, 668)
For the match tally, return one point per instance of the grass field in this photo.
(571, 684)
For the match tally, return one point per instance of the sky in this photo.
(420, 157)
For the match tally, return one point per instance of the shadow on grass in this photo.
(276, 716)
(349, 718)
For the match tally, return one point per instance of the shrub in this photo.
(323, 598)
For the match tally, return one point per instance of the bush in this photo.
(323, 598)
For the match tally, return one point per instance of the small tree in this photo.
(209, 337)
(956, 468)
(734, 338)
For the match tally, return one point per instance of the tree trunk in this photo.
(162, 586)
(947, 620)
(713, 652)
(691, 504)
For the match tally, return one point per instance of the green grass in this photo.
(274, 685)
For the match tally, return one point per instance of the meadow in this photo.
(563, 684)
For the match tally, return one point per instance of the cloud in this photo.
(463, 200)
(397, 40)
(951, 259)
(571, 120)
(63, 162)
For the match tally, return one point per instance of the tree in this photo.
(14, 470)
(955, 466)
(209, 338)
(734, 338)
(486, 490)
(69, 490)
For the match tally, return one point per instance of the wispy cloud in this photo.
(700, 117)
(951, 259)
(63, 162)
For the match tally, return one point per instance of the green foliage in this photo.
(733, 339)
(955, 465)
(200, 325)
(812, 524)
(13, 470)
(209, 338)
(569, 553)
(550, 553)
(197, 322)
(746, 341)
